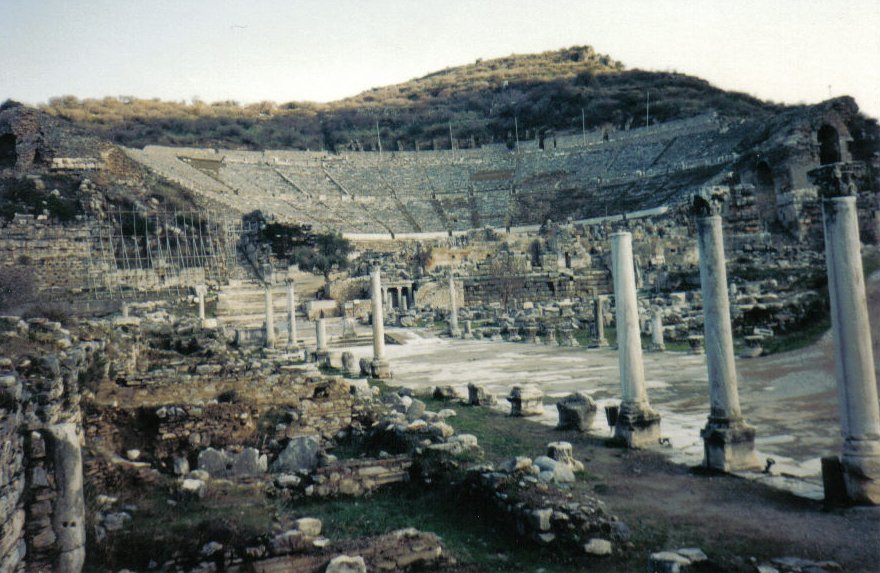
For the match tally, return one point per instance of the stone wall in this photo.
(58, 255)
(42, 507)
(354, 477)
(265, 408)
(535, 287)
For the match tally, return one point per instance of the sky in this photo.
(790, 51)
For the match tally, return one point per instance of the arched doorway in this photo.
(829, 145)
(765, 191)
(8, 156)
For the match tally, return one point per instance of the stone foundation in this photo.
(637, 427)
(729, 447)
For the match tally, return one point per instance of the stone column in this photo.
(453, 310)
(403, 300)
(657, 341)
(853, 354)
(270, 318)
(638, 425)
(381, 368)
(69, 513)
(201, 291)
(291, 313)
(728, 442)
(321, 335)
(599, 316)
(124, 309)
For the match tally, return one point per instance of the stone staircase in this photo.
(242, 303)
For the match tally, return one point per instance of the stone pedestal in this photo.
(728, 442)
(531, 333)
(479, 396)
(526, 400)
(468, 329)
(729, 446)
(853, 353)
(551, 336)
(638, 425)
(576, 412)
(379, 366)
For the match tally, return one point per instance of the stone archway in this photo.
(829, 145)
(765, 191)
(8, 155)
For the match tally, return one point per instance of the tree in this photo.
(509, 275)
(321, 253)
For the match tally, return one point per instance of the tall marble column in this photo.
(291, 313)
(381, 368)
(69, 514)
(853, 353)
(321, 336)
(453, 308)
(728, 442)
(270, 318)
(657, 342)
(201, 291)
(599, 316)
(638, 425)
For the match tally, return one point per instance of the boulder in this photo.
(301, 454)
(346, 564)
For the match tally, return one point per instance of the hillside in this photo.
(477, 102)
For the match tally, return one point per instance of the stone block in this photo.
(300, 454)
(576, 412)
(527, 400)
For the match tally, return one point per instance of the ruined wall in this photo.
(41, 489)
(265, 407)
(535, 287)
(58, 255)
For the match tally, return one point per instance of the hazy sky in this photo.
(321, 50)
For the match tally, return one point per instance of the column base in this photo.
(454, 332)
(657, 347)
(602, 343)
(322, 357)
(729, 446)
(380, 369)
(638, 426)
(861, 471)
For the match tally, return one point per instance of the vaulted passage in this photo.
(829, 145)
(8, 156)
(765, 191)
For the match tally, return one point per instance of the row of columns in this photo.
(729, 443)
(269, 336)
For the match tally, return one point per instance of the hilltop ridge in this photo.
(488, 101)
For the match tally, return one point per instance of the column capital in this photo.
(838, 179)
(708, 201)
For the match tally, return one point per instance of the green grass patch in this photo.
(473, 538)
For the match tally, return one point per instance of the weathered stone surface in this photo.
(527, 400)
(479, 396)
(667, 562)
(576, 412)
(598, 547)
(194, 488)
(300, 454)
(347, 564)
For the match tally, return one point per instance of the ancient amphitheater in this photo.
(399, 194)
